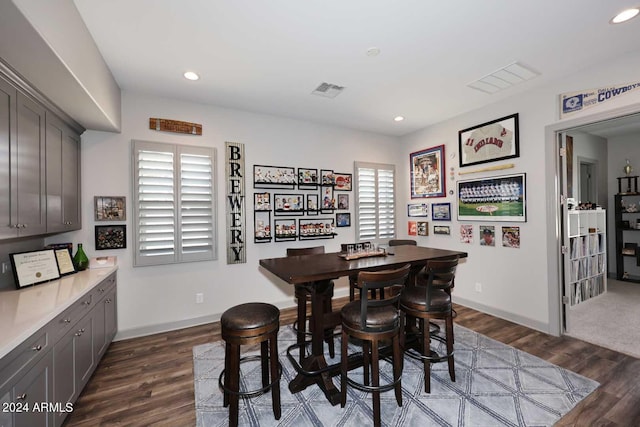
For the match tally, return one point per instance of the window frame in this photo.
(179, 255)
(378, 239)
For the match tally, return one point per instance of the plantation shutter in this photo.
(174, 204)
(375, 201)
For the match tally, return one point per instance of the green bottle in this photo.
(80, 260)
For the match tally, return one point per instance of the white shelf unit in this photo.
(586, 268)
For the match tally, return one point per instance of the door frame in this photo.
(554, 206)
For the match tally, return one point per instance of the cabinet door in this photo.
(106, 322)
(65, 385)
(84, 357)
(29, 167)
(7, 148)
(35, 388)
(6, 417)
(63, 183)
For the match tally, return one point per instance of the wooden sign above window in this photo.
(176, 126)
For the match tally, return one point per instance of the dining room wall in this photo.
(152, 299)
(518, 284)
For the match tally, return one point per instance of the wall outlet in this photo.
(199, 298)
(6, 267)
(478, 287)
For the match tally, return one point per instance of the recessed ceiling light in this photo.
(398, 118)
(190, 75)
(625, 15)
(373, 51)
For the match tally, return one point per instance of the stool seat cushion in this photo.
(252, 315)
(416, 297)
(379, 318)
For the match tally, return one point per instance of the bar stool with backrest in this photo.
(426, 301)
(247, 324)
(303, 295)
(373, 321)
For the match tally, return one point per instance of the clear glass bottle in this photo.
(80, 260)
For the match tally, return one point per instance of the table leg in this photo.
(316, 360)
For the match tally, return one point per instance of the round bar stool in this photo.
(246, 324)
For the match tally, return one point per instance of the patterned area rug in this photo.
(496, 385)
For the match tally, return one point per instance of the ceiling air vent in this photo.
(504, 78)
(328, 90)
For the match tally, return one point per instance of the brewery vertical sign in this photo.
(236, 247)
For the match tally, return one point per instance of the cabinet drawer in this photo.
(65, 321)
(24, 355)
(104, 287)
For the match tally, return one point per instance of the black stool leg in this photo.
(449, 332)
(426, 351)
(275, 387)
(397, 368)
(234, 384)
(227, 359)
(375, 378)
(264, 360)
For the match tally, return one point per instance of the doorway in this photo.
(587, 180)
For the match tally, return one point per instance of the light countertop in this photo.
(23, 312)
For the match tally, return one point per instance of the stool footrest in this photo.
(250, 393)
(433, 356)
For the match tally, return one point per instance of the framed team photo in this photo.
(489, 142)
(500, 198)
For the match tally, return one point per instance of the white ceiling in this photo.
(268, 56)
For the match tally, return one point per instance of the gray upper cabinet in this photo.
(39, 167)
(63, 176)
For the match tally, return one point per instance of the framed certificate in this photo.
(31, 268)
(65, 264)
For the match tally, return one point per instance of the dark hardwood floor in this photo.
(149, 381)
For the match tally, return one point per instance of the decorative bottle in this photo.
(80, 260)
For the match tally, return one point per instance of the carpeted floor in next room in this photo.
(496, 385)
(611, 320)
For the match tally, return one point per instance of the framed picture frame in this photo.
(328, 201)
(489, 142)
(343, 219)
(499, 198)
(442, 229)
(288, 204)
(312, 207)
(441, 211)
(110, 208)
(343, 201)
(511, 237)
(487, 235)
(412, 228)
(65, 263)
(35, 267)
(417, 209)
(427, 173)
(423, 228)
(342, 181)
(307, 178)
(316, 228)
(327, 177)
(274, 177)
(262, 201)
(110, 237)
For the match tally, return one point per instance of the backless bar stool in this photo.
(246, 324)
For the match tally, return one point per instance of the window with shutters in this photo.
(375, 202)
(174, 203)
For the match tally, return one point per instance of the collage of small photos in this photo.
(306, 204)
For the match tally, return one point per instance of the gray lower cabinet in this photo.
(50, 369)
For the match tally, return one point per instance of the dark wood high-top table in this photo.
(318, 270)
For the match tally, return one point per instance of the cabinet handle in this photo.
(67, 320)
(78, 334)
(108, 300)
(101, 290)
(23, 396)
(36, 348)
(23, 225)
(87, 302)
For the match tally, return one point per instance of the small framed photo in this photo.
(342, 181)
(487, 235)
(417, 209)
(412, 228)
(441, 211)
(111, 237)
(312, 207)
(442, 229)
(343, 201)
(110, 208)
(423, 228)
(343, 219)
(511, 237)
(307, 178)
(262, 201)
(328, 178)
